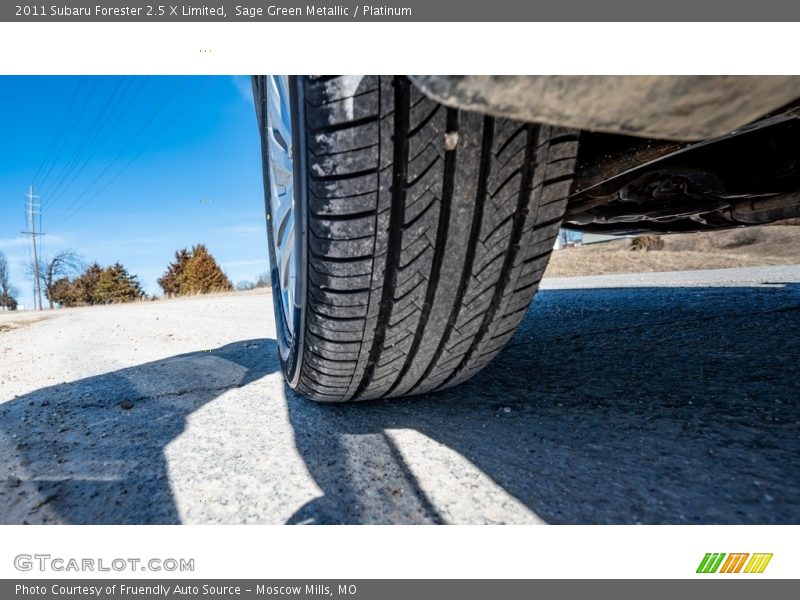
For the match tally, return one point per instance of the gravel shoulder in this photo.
(756, 246)
(642, 398)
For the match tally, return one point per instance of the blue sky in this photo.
(130, 169)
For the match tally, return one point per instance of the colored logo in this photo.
(719, 562)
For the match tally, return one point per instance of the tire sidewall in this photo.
(290, 346)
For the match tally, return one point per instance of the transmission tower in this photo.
(33, 211)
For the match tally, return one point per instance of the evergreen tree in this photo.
(170, 281)
(203, 274)
(97, 285)
(85, 285)
(117, 285)
(7, 301)
(63, 291)
(194, 271)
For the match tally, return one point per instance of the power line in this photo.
(68, 135)
(69, 165)
(131, 97)
(59, 129)
(178, 114)
(73, 168)
(121, 153)
(63, 135)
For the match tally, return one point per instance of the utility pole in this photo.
(34, 209)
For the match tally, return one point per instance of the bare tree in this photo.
(8, 293)
(5, 278)
(264, 280)
(245, 285)
(63, 264)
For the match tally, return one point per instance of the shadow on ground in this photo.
(90, 457)
(653, 405)
(644, 405)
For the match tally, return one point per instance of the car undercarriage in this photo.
(629, 185)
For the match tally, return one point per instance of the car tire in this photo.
(421, 234)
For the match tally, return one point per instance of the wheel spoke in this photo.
(282, 201)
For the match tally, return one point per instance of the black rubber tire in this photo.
(428, 230)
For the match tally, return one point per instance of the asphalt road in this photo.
(655, 398)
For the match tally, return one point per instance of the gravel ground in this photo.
(646, 398)
(754, 246)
